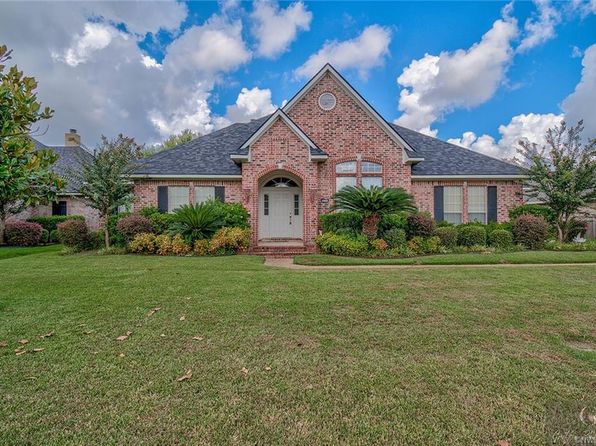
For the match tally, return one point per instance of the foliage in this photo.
(342, 245)
(530, 230)
(201, 247)
(159, 220)
(555, 245)
(347, 222)
(53, 236)
(229, 241)
(105, 178)
(26, 177)
(372, 203)
(562, 173)
(395, 237)
(470, 235)
(131, 225)
(23, 233)
(420, 225)
(112, 251)
(231, 215)
(533, 209)
(163, 243)
(195, 221)
(493, 226)
(577, 227)
(143, 244)
(393, 221)
(75, 234)
(424, 245)
(179, 246)
(45, 236)
(500, 238)
(50, 222)
(174, 140)
(116, 238)
(379, 244)
(447, 235)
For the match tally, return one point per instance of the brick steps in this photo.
(279, 251)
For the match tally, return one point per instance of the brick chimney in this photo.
(72, 138)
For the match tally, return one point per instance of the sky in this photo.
(479, 74)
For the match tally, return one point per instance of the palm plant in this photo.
(372, 203)
(195, 222)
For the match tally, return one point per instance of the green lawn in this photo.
(415, 357)
(522, 257)
(8, 252)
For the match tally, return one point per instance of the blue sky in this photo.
(481, 74)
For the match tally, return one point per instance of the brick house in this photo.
(285, 167)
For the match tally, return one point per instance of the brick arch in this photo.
(272, 169)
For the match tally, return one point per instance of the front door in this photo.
(280, 213)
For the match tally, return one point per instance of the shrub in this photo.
(379, 244)
(537, 210)
(500, 238)
(420, 225)
(117, 238)
(201, 247)
(393, 221)
(23, 233)
(231, 215)
(576, 227)
(395, 237)
(179, 246)
(50, 222)
(447, 236)
(342, 245)
(530, 230)
(347, 222)
(112, 251)
(45, 236)
(424, 245)
(160, 221)
(143, 244)
(163, 244)
(148, 211)
(74, 234)
(229, 241)
(493, 226)
(555, 245)
(194, 222)
(470, 235)
(53, 236)
(132, 225)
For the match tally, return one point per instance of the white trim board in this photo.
(185, 177)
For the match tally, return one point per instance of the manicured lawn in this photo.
(413, 357)
(8, 252)
(521, 257)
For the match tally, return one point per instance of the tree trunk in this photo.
(106, 234)
(370, 226)
(2, 226)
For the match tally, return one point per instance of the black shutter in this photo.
(491, 214)
(220, 193)
(439, 203)
(162, 198)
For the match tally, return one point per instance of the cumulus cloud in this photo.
(580, 104)
(540, 29)
(95, 37)
(251, 104)
(275, 29)
(362, 53)
(435, 85)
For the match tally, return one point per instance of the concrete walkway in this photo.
(288, 262)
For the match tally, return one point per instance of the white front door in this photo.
(280, 213)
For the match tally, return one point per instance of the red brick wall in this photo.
(74, 206)
(509, 195)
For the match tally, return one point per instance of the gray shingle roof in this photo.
(69, 159)
(210, 155)
(443, 158)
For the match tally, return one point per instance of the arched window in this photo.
(280, 182)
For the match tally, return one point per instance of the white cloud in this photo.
(435, 85)
(95, 37)
(150, 62)
(541, 29)
(275, 29)
(580, 104)
(583, 7)
(362, 53)
(251, 104)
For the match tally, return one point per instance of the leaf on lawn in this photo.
(37, 350)
(19, 349)
(153, 311)
(163, 335)
(121, 355)
(20, 352)
(3, 344)
(182, 318)
(198, 338)
(23, 341)
(268, 368)
(245, 371)
(47, 335)
(124, 337)
(185, 377)
(88, 332)
(504, 443)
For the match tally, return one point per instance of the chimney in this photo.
(72, 138)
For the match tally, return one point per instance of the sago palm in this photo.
(372, 203)
(195, 222)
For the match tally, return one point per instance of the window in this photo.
(296, 204)
(59, 208)
(452, 202)
(204, 193)
(266, 204)
(347, 167)
(177, 196)
(477, 204)
(369, 167)
(341, 182)
(368, 182)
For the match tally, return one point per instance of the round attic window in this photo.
(327, 101)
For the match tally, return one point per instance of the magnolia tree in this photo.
(26, 178)
(105, 178)
(562, 173)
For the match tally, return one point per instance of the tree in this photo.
(173, 141)
(372, 204)
(26, 178)
(105, 177)
(562, 173)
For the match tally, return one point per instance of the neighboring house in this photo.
(69, 201)
(286, 167)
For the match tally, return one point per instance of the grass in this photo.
(433, 357)
(8, 252)
(521, 257)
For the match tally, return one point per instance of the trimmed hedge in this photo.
(395, 237)
(471, 235)
(75, 234)
(23, 233)
(342, 245)
(50, 222)
(345, 222)
(530, 230)
(537, 210)
(420, 225)
(447, 235)
(500, 238)
(131, 225)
